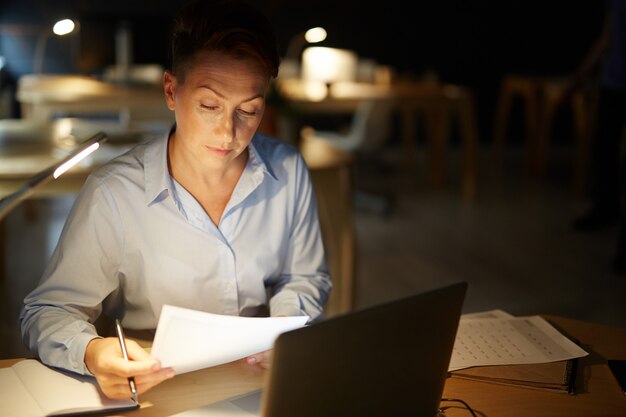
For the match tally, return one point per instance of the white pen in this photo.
(131, 380)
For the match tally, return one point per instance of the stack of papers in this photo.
(497, 347)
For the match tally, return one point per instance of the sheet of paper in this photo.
(30, 388)
(508, 341)
(14, 397)
(490, 314)
(189, 339)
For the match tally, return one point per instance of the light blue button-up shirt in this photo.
(136, 240)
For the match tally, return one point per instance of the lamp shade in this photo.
(60, 28)
(9, 202)
(328, 65)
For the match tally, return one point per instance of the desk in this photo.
(598, 394)
(439, 103)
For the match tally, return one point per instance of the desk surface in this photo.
(598, 393)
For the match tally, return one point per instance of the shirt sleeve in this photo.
(304, 286)
(57, 318)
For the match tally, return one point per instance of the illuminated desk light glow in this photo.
(55, 171)
(328, 65)
(60, 28)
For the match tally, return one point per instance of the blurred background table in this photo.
(441, 105)
(46, 97)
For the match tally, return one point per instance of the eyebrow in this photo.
(217, 93)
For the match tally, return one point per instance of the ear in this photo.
(169, 88)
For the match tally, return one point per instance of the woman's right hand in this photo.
(103, 358)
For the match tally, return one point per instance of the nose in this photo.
(225, 127)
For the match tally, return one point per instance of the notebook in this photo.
(390, 359)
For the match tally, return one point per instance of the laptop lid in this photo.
(387, 360)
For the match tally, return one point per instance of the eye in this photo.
(207, 107)
(247, 113)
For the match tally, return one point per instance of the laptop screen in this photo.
(386, 360)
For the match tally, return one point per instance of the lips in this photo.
(219, 151)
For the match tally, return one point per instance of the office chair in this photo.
(368, 132)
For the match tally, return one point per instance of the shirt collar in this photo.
(157, 175)
(258, 160)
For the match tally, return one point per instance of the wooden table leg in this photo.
(4, 296)
(467, 122)
(437, 126)
(409, 148)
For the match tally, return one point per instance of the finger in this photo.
(136, 352)
(145, 382)
(118, 391)
(115, 387)
(265, 361)
(124, 368)
(158, 376)
(261, 359)
(252, 360)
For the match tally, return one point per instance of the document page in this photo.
(30, 388)
(188, 340)
(15, 398)
(490, 314)
(508, 341)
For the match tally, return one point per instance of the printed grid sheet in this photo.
(502, 341)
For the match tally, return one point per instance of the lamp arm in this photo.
(40, 51)
(9, 202)
(294, 48)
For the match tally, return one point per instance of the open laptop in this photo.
(387, 360)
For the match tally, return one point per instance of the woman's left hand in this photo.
(261, 359)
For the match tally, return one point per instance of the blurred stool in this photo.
(440, 106)
(540, 97)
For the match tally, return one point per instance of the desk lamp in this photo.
(297, 42)
(60, 28)
(313, 35)
(329, 65)
(9, 202)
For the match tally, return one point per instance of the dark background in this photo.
(472, 43)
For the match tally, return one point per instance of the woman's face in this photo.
(218, 108)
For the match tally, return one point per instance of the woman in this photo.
(212, 216)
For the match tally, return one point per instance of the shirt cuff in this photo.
(77, 352)
(285, 307)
